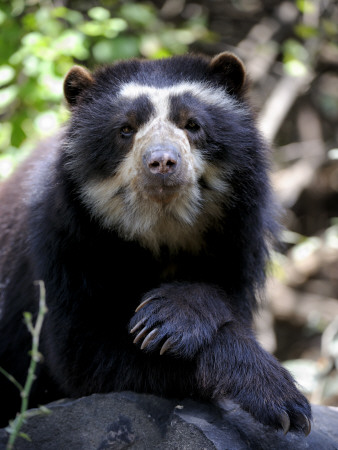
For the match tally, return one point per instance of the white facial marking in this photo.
(206, 94)
(122, 200)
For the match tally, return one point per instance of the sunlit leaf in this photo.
(32, 39)
(31, 66)
(7, 96)
(150, 45)
(306, 248)
(71, 43)
(113, 27)
(161, 53)
(2, 17)
(72, 16)
(7, 73)
(99, 13)
(52, 85)
(295, 68)
(46, 123)
(91, 28)
(306, 6)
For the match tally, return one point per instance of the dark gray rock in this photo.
(144, 422)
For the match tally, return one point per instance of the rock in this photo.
(138, 421)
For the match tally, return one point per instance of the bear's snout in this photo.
(163, 159)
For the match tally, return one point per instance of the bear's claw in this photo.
(284, 420)
(147, 300)
(150, 337)
(147, 333)
(141, 334)
(176, 331)
(166, 346)
(303, 423)
(299, 422)
(138, 325)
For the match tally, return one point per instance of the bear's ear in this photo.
(77, 80)
(229, 71)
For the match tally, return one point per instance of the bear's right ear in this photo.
(77, 80)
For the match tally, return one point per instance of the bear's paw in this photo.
(170, 319)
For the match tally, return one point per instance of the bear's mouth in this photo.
(162, 194)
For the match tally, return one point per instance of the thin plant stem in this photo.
(35, 358)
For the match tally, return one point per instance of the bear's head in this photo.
(152, 145)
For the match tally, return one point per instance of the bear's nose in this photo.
(162, 159)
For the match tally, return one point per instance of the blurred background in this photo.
(290, 49)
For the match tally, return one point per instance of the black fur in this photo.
(201, 301)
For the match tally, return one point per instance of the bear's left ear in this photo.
(229, 71)
(77, 80)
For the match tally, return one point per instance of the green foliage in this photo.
(14, 428)
(39, 43)
(313, 33)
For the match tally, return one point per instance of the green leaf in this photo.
(114, 27)
(99, 13)
(106, 50)
(294, 50)
(2, 17)
(72, 43)
(295, 68)
(7, 73)
(32, 39)
(138, 14)
(305, 6)
(46, 123)
(330, 27)
(91, 28)
(18, 7)
(18, 135)
(306, 31)
(72, 16)
(7, 96)
(25, 436)
(30, 23)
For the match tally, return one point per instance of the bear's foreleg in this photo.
(235, 367)
(196, 321)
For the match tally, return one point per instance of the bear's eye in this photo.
(192, 126)
(126, 131)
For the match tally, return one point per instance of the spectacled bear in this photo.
(149, 220)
